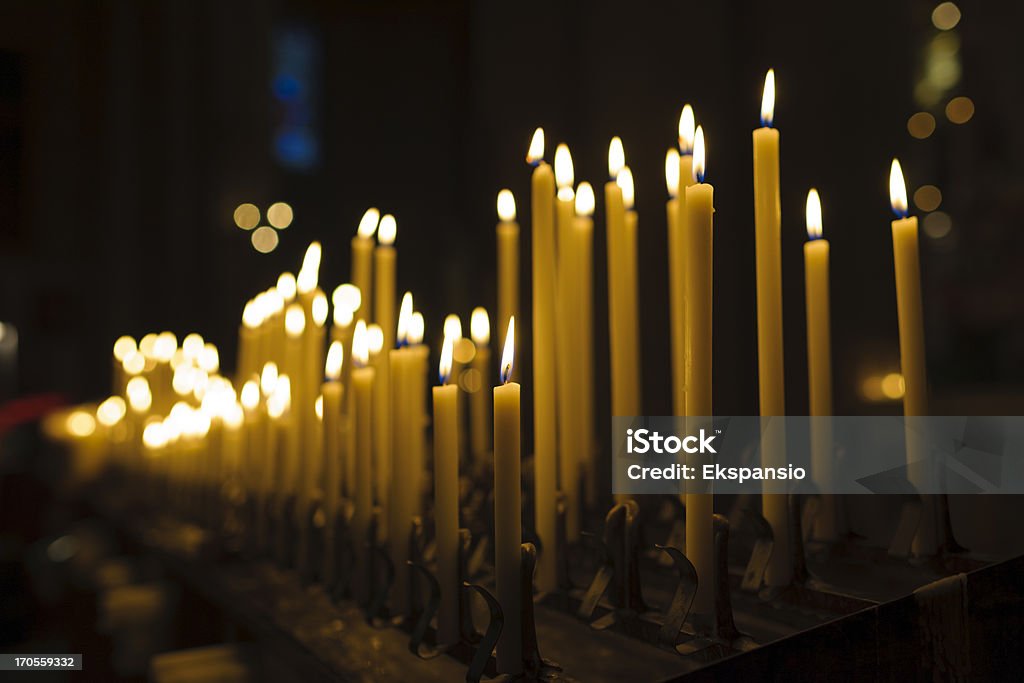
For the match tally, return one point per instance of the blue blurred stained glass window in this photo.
(294, 87)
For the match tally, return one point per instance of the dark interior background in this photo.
(129, 131)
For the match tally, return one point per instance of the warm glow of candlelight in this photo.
(192, 345)
(209, 358)
(347, 296)
(251, 315)
(140, 398)
(280, 400)
(110, 412)
(318, 407)
(146, 344)
(154, 436)
(813, 215)
(897, 189)
(232, 415)
(699, 154)
(452, 327)
(616, 157)
(536, 152)
(368, 223)
(360, 345)
(319, 309)
(509, 352)
(687, 126)
(250, 394)
(445, 366)
(274, 302)
(309, 274)
(404, 318)
(80, 423)
(416, 328)
(672, 172)
(286, 286)
(134, 363)
(294, 320)
(375, 339)
(480, 326)
(268, 378)
(506, 206)
(564, 176)
(122, 347)
(625, 183)
(768, 99)
(335, 358)
(387, 230)
(585, 199)
(164, 347)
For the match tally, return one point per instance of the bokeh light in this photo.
(247, 216)
(937, 225)
(921, 125)
(264, 239)
(280, 215)
(927, 198)
(946, 16)
(960, 109)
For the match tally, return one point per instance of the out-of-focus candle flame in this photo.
(146, 344)
(672, 172)
(275, 303)
(209, 358)
(768, 99)
(192, 345)
(164, 346)
(585, 199)
(124, 346)
(251, 315)
(134, 363)
(404, 318)
(535, 154)
(445, 366)
(319, 309)
(347, 296)
(368, 223)
(335, 359)
(110, 412)
(318, 407)
(154, 436)
(897, 190)
(387, 230)
(687, 125)
(480, 326)
(280, 400)
(286, 286)
(375, 339)
(564, 176)
(625, 182)
(309, 274)
(699, 155)
(233, 415)
(140, 398)
(508, 354)
(360, 345)
(268, 378)
(616, 157)
(80, 423)
(294, 320)
(250, 394)
(452, 327)
(813, 215)
(506, 206)
(416, 328)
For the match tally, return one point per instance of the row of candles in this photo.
(282, 429)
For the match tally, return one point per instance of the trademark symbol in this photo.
(718, 431)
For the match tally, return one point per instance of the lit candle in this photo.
(583, 246)
(332, 390)
(699, 254)
(346, 299)
(362, 261)
(362, 414)
(480, 399)
(819, 364)
(295, 325)
(446, 498)
(768, 255)
(544, 393)
(380, 362)
(248, 333)
(567, 285)
(678, 176)
(252, 435)
(123, 347)
(624, 379)
(384, 264)
(508, 257)
(508, 533)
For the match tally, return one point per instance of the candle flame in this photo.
(686, 130)
(318, 407)
(140, 398)
(360, 345)
(368, 223)
(165, 346)
(335, 359)
(506, 206)
(232, 415)
(404, 318)
(281, 399)
(452, 327)
(123, 347)
(80, 423)
(768, 99)
(699, 154)
(252, 316)
(309, 274)
(509, 352)
(480, 326)
(273, 301)
(672, 172)
(134, 363)
(110, 412)
(294, 320)
(536, 152)
(286, 286)
(585, 199)
(416, 327)
(625, 182)
(375, 339)
(616, 157)
(897, 190)
(250, 394)
(154, 436)
(564, 177)
(444, 368)
(386, 230)
(192, 345)
(813, 215)
(347, 296)
(268, 378)
(319, 309)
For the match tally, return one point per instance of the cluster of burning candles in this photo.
(347, 418)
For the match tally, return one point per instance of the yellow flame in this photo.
(625, 183)
(375, 339)
(154, 436)
(672, 172)
(404, 318)
(813, 215)
(347, 296)
(80, 423)
(281, 399)
(445, 365)
(698, 154)
(209, 358)
(191, 345)
(319, 309)
(343, 316)
(268, 378)
(134, 363)
(368, 223)
(360, 345)
(286, 286)
(893, 386)
(768, 99)
(294, 320)
(309, 274)
(584, 199)
(273, 301)
(164, 347)
(536, 151)
(335, 358)
(686, 128)
(233, 415)
(386, 230)
(183, 380)
(564, 176)
(140, 398)
(506, 205)
(897, 189)
(146, 344)
(452, 326)
(509, 352)
(252, 315)
(416, 328)
(250, 394)
(124, 346)
(480, 326)
(616, 157)
(318, 407)
(110, 412)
